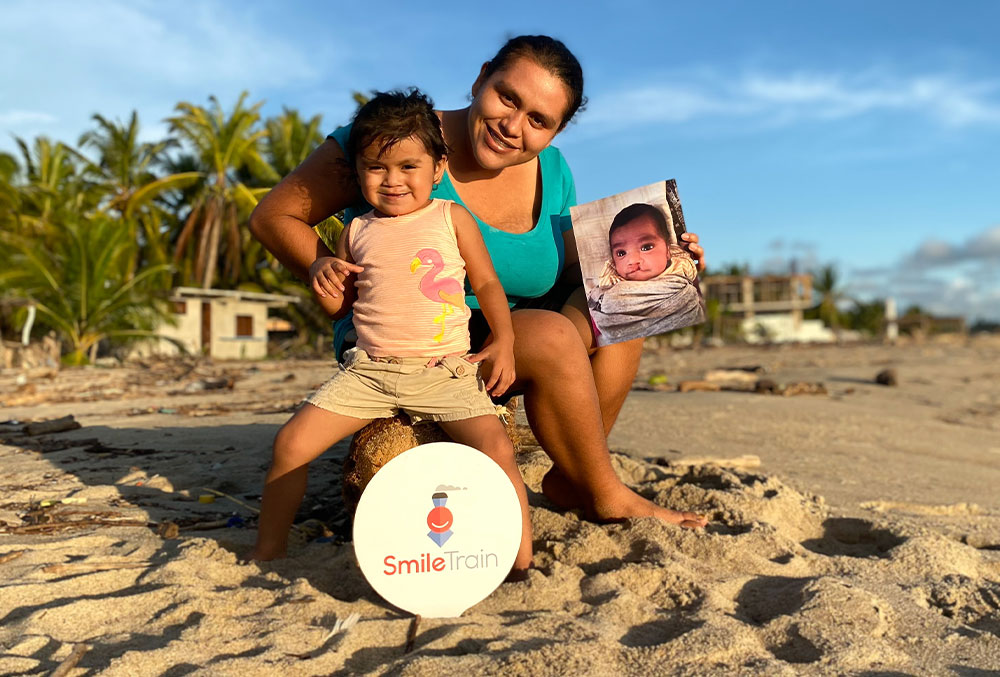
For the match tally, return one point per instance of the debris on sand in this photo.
(744, 462)
(887, 377)
(730, 376)
(56, 425)
(769, 387)
(692, 386)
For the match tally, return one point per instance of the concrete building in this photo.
(766, 308)
(924, 324)
(222, 323)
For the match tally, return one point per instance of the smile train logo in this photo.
(439, 519)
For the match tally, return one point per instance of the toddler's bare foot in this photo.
(517, 575)
(263, 554)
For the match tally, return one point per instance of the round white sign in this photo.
(437, 529)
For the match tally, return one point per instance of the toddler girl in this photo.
(401, 268)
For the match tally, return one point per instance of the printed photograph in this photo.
(639, 280)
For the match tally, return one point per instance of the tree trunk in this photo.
(212, 255)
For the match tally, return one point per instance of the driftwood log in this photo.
(386, 438)
(56, 425)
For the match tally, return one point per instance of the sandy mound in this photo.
(897, 572)
(775, 585)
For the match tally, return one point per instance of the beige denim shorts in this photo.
(366, 387)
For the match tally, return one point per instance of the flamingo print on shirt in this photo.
(447, 291)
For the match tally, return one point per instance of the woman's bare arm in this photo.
(571, 259)
(499, 354)
(319, 187)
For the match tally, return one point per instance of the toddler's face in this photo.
(401, 180)
(638, 250)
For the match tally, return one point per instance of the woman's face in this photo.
(515, 114)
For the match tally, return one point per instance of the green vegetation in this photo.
(96, 235)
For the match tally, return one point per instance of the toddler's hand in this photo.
(327, 275)
(498, 360)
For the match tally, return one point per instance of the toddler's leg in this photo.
(309, 433)
(487, 434)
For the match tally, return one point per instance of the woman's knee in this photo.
(550, 335)
(624, 354)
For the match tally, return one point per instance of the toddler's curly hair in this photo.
(390, 117)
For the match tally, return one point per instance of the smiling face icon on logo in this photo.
(439, 519)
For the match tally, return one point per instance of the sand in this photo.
(866, 541)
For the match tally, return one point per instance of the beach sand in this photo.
(854, 532)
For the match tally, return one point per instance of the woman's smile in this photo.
(499, 141)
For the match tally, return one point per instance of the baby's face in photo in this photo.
(638, 250)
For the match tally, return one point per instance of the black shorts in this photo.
(554, 300)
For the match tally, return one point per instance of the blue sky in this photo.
(866, 135)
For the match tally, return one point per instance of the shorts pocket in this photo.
(353, 357)
(459, 366)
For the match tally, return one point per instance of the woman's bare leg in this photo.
(614, 367)
(309, 433)
(563, 409)
(487, 434)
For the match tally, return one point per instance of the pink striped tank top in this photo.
(411, 295)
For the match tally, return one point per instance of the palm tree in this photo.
(9, 200)
(825, 282)
(223, 144)
(53, 188)
(125, 165)
(79, 284)
(125, 171)
(290, 139)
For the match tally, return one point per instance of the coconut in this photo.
(386, 438)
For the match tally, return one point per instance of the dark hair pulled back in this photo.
(390, 117)
(553, 56)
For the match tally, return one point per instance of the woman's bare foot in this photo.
(617, 504)
(622, 502)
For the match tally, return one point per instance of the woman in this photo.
(504, 170)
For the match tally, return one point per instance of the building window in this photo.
(179, 307)
(244, 325)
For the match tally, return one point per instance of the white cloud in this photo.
(15, 118)
(947, 99)
(945, 278)
(984, 246)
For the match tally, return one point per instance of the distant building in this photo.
(766, 308)
(924, 324)
(221, 323)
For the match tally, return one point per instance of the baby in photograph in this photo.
(648, 286)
